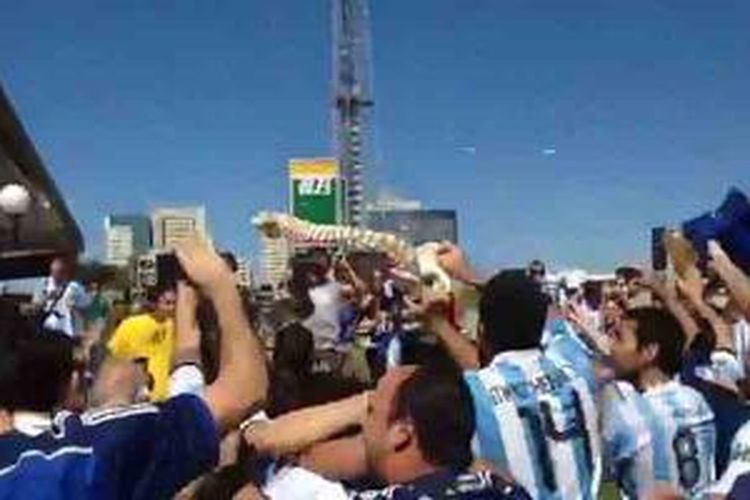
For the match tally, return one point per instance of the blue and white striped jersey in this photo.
(665, 434)
(740, 451)
(537, 417)
(739, 463)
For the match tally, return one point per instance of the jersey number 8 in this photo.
(685, 449)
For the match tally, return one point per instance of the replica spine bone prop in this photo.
(424, 257)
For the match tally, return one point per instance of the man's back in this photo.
(141, 451)
(665, 434)
(537, 419)
(324, 322)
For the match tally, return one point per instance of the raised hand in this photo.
(692, 287)
(664, 288)
(453, 260)
(186, 323)
(735, 279)
(431, 309)
(718, 257)
(574, 315)
(202, 264)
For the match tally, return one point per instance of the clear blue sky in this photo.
(646, 102)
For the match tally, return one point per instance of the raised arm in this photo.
(340, 459)
(188, 336)
(737, 282)
(242, 381)
(692, 288)
(359, 285)
(667, 293)
(596, 339)
(460, 348)
(463, 351)
(453, 260)
(294, 432)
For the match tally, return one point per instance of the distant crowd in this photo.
(372, 383)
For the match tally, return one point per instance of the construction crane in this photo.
(352, 102)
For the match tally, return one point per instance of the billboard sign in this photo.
(315, 190)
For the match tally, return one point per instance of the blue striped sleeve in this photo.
(488, 431)
(566, 347)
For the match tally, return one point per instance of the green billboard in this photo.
(315, 190)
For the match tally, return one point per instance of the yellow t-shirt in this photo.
(143, 337)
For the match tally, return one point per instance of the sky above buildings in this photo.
(558, 130)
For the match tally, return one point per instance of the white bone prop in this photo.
(429, 266)
(424, 257)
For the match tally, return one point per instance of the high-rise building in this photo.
(173, 225)
(353, 102)
(244, 273)
(416, 226)
(127, 235)
(275, 256)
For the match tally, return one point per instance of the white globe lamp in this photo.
(15, 199)
(15, 202)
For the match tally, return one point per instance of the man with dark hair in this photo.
(647, 328)
(41, 359)
(404, 439)
(656, 430)
(535, 407)
(416, 437)
(140, 451)
(630, 285)
(537, 271)
(510, 299)
(150, 336)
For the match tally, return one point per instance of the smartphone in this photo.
(658, 249)
(168, 271)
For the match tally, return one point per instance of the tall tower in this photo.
(352, 101)
(172, 225)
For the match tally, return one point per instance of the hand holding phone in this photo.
(168, 271)
(202, 265)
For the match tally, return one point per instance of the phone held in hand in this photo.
(658, 250)
(168, 270)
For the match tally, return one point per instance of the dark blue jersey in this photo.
(141, 451)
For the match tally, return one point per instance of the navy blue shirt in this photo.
(740, 489)
(449, 485)
(140, 451)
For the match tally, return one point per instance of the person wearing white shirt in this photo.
(63, 300)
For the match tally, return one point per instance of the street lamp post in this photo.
(15, 202)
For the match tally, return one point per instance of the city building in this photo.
(244, 273)
(415, 226)
(353, 102)
(127, 235)
(390, 202)
(275, 255)
(172, 225)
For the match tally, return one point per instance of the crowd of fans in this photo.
(372, 385)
